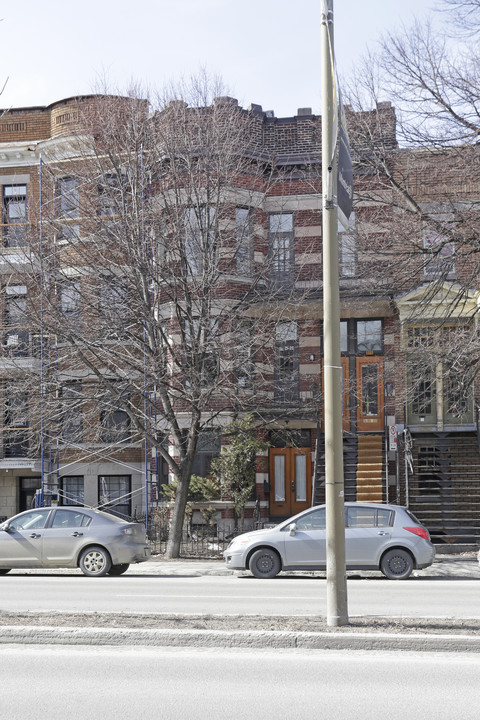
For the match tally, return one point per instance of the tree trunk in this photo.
(176, 528)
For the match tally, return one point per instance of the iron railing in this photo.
(198, 541)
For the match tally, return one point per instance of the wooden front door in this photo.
(370, 409)
(290, 481)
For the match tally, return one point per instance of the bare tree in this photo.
(153, 290)
(414, 123)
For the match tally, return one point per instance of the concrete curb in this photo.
(238, 639)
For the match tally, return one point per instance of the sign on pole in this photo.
(392, 437)
(345, 172)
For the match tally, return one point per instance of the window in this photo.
(343, 337)
(115, 426)
(457, 397)
(244, 360)
(286, 363)
(16, 407)
(244, 240)
(369, 336)
(114, 492)
(15, 320)
(71, 412)
(369, 384)
(108, 196)
(208, 447)
(423, 390)
(347, 248)
(314, 520)
(281, 247)
(72, 490)
(364, 517)
(34, 520)
(200, 250)
(201, 352)
(438, 244)
(68, 197)
(361, 336)
(70, 302)
(114, 312)
(420, 337)
(15, 421)
(68, 232)
(67, 519)
(14, 215)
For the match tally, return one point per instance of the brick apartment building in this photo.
(410, 430)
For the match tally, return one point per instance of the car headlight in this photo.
(240, 540)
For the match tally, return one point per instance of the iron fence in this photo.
(206, 541)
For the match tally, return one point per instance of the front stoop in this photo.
(370, 468)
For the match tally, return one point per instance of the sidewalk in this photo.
(448, 565)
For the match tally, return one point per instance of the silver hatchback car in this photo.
(377, 537)
(69, 537)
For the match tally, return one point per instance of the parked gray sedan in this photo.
(69, 537)
(377, 537)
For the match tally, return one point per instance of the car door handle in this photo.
(77, 534)
(382, 532)
(35, 535)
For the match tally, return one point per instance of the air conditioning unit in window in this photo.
(12, 340)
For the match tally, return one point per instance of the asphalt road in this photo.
(232, 595)
(172, 684)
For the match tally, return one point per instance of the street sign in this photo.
(392, 437)
(345, 173)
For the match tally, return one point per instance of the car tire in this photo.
(5, 571)
(397, 564)
(265, 563)
(95, 561)
(119, 569)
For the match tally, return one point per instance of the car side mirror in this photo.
(292, 530)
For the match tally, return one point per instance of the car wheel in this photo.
(4, 572)
(397, 564)
(95, 561)
(118, 569)
(264, 563)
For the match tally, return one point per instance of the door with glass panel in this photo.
(290, 481)
(370, 409)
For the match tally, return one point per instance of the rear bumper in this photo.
(129, 554)
(426, 558)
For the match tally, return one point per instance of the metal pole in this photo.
(337, 609)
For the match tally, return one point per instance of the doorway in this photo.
(290, 481)
(28, 489)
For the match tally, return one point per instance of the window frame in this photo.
(14, 237)
(281, 249)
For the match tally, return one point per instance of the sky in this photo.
(266, 51)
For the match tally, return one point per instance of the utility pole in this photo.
(337, 608)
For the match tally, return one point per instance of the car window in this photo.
(366, 517)
(361, 517)
(31, 520)
(68, 519)
(384, 518)
(313, 521)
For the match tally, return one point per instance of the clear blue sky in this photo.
(266, 51)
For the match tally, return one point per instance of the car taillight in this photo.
(420, 531)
